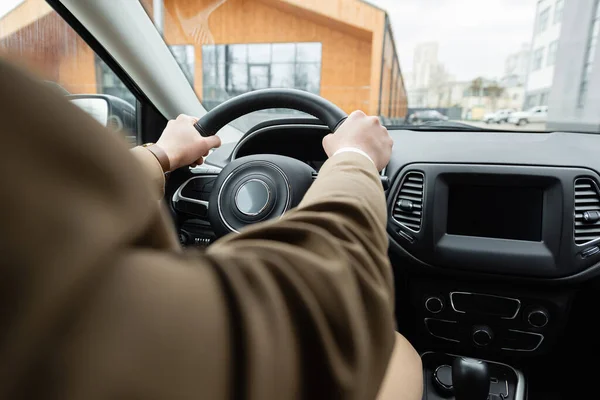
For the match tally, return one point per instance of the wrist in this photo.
(353, 149)
(161, 156)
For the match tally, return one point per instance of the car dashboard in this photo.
(488, 230)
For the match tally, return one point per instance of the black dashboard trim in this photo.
(252, 135)
(399, 257)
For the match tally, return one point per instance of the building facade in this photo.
(516, 66)
(546, 33)
(574, 102)
(343, 50)
(428, 77)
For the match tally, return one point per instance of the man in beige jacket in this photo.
(99, 301)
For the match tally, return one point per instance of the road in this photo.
(507, 127)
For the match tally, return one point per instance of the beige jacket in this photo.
(99, 301)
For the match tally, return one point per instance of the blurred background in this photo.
(518, 64)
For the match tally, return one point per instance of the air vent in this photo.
(587, 211)
(408, 209)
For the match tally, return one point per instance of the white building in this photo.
(425, 65)
(427, 76)
(516, 64)
(574, 102)
(546, 32)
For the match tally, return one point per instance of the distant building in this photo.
(427, 77)
(515, 66)
(425, 65)
(574, 101)
(544, 45)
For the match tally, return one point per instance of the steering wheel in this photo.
(259, 187)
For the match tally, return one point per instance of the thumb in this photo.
(327, 144)
(203, 145)
(212, 142)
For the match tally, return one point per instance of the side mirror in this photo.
(109, 111)
(97, 107)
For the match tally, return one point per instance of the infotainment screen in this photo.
(503, 212)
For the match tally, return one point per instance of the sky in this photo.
(8, 5)
(474, 36)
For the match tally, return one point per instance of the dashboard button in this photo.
(442, 376)
(482, 335)
(538, 318)
(434, 304)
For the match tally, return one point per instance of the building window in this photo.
(543, 99)
(184, 55)
(551, 59)
(230, 70)
(558, 11)
(589, 55)
(538, 56)
(543, 20)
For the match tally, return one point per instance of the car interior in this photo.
(494, 235)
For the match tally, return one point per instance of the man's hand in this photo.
(183, 144)
(364, 133)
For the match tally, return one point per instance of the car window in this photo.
(33, 34)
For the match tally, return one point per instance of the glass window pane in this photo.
(208, 54)
(308, 77)
(284, 52)
(221, 73)
(282, 75)
(209, 75)
(237, 53)
(259, 53)
(308, 52)
(237, 78)
(259, 76)
(184, 55)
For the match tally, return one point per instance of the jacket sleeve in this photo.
(314, 289)
(299, 307)
(151, 167)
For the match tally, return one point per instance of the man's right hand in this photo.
(363, 133)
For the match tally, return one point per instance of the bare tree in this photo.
(476, 86)
(494, 91)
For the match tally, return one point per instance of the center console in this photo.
(538, 222)
(460, 227)
(487, 321)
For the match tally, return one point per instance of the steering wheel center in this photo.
(256, 188)
(252, 197)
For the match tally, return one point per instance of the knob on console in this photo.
(470, 378)
(482, 335)
(538, 318)
(434, 304)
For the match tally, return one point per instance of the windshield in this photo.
(400, 60)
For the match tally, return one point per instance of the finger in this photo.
(212, 142)
(199, 161)
(187, 118)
